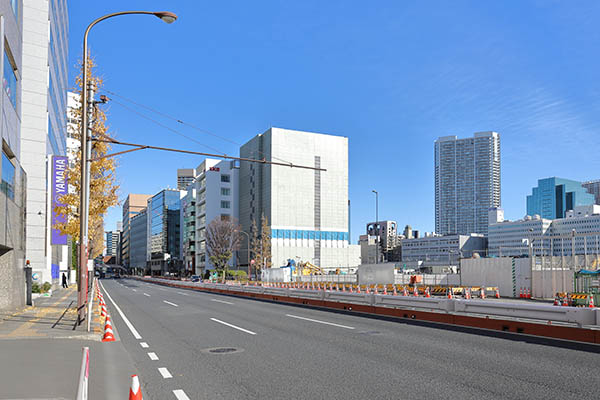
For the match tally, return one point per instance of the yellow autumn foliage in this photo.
(103, 186)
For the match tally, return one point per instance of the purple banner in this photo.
(60, 187)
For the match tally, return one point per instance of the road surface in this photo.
(275, 351)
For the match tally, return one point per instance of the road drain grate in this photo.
(223, 350)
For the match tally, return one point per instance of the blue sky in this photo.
(391, 75)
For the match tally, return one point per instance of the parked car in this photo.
(195, 278)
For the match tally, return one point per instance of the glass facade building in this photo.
(467, 182)
(164, 231)
(553, 197)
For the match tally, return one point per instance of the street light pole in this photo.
(377, 225)
(167, 17)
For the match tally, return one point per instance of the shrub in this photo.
(35, 288)
(237, 274)
(46, 287)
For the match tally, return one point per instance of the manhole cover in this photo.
(223, 350)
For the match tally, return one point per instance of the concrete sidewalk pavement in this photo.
(41, 348)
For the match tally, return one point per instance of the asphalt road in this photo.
(287, 352)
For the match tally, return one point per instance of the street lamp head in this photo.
(166, 16)
(374, 191)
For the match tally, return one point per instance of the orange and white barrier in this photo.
(135, 392)
(109, 335)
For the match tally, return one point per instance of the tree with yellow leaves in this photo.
(103, 186)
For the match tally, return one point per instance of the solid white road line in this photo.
(134, 332)
(180, 394)
(168, 302)
(153, 356)
(165, 373)
(134, 290)
(146, 294)
(144, 345)
(233, 326)
(319, 322)
(221, 301)
(183, 294)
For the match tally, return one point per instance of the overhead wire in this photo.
(165, 126)
(179, 121)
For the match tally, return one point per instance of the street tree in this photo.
(261, 245)
(103, 184)
(222, 239)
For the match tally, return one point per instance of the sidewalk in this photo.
(41, 348)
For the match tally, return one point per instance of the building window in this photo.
(10, 80)
(225, 178)
(7, 185)
(225, 204)
(225, 191)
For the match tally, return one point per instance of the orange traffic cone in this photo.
(351, 290)
(395, 292)
(427, 294)
(565, 302)
(103, 311)
(591, 305)
(482, 293)
(497, 295)
(385, 289)
(556, 301)
(404, 291)
(467, 293)
(344, 287)
(449, 293)
(135, 393)
(520, 293)
(108, 331)
(415, 291)
(528, 293)
(358, 289)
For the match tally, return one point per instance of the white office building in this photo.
(443, 249)
(511, 238)
(217, 185)
(579, 230)
(307, 209)
(43, 127)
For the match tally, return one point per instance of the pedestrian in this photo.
(64, 281)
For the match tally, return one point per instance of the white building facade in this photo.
(43, 126)
(307, 209)
(578, 233)
(217, 185)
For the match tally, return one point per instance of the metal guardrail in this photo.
(492, 308)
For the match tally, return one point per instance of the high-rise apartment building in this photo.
(593, 188)
(467, 182)
(13, 180)
(553, 197)
(43, 125)
(306, 209)
(134, 204)
(217, 185)
(185, 177)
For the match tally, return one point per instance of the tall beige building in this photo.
(132, 206)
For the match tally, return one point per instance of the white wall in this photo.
(509, 277)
